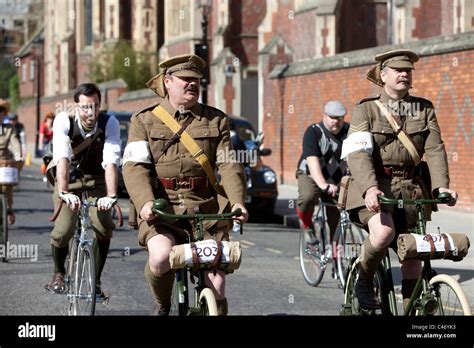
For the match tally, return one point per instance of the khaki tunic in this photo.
(367, 170)
(8, 136)
(210, 130)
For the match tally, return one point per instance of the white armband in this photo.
(137, 151)
(358, 141)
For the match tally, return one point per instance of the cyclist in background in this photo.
(320, 168)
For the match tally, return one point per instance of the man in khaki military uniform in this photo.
(8, 135)
(386, 167)
(150, 173)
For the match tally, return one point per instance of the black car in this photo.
(262, 189)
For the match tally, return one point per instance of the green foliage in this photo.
(121, 61)
(7, 71)
(14, 89)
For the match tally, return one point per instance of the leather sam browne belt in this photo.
(189, 182)
(399, 172)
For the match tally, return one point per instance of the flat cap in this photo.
(397, 59)
(334, 108)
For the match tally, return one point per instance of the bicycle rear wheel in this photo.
(207, 302)
(312, 255)
(4, 226)
(84, 303)
(348, 241)
(449, 296)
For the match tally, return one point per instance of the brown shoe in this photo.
(11, 217)
(57, 285)
(160, 311)
(364, 290)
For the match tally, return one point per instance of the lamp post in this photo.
(203, 49)
(37, 46)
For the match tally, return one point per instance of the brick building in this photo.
(278, 61)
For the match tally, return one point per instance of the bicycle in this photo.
(434, 294)
(314, 256)
(8, 177)
(204, 299)
(80, 278)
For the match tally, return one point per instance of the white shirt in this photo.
(62, 144)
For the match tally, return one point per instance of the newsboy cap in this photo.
(186, 65)
(397, 59)
(334, 108)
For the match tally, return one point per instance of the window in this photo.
(88, 23)
(179, 20)
(23, 73)
(32, 70)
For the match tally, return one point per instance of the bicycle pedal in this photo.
(345, 310)
(55, 292)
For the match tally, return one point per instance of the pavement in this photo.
(447, 219)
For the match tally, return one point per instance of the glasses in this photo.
(87, 107)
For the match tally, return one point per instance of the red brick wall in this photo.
(83, 62)
(443, 79)
(427, 19)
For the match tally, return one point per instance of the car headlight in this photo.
(269, 177)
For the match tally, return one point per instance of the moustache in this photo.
(191, 88)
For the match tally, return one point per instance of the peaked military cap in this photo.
(397, 59)
(334, 108)
(186, 65)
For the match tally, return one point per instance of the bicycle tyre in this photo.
(207, 302)
(85, 282)
(4, 227)
(352, 239)
(311, 259)
(71, 265)
(351, 303)
(446, 305)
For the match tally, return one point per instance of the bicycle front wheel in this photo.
(207, 302)
(449, 296)
(84, 303)
(71, 266)
(349, 239)
(312, 256)
(4, 227)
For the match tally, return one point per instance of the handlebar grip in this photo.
(159, 204)
(119, 215)
(445, 197)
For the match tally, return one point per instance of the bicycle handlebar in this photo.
(60, 203)
(160, 203)
(443, 198)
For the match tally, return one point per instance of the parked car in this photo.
(124, 121)
(262, 189)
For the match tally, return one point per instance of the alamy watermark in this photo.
(19, 251)
(237, 156)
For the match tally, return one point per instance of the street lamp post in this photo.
(205, 6)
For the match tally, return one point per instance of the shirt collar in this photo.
(195, 110)
(385, 97)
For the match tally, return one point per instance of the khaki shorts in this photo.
(179, 230)
(362, 216)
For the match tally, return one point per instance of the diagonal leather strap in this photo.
(86, 142)
(176, 136)
(190, 144)
(404, 138)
